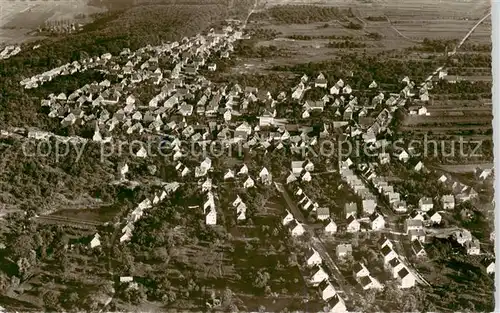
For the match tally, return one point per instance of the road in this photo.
(317, 244)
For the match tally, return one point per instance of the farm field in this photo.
(19, 18)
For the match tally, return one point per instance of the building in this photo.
(337, 305)
(313, 257)
(323, 213)
(360, 270)
(331, 227)
(353, 226)
(406, 279)
(343, 250)
(296, 228)
(411, 224)
(377, 221)
(318, 275)
(448, 202)
(472, 247)
(326, 290)
(418, 249)
(351, 209)
(425, 204)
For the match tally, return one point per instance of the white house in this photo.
(211, 217)
(369, 206)
(472, 247)
(249, 183)
(326, 289)
(406, 279)
(318, 275)
(296, 228)
(321, 81)
(229, 174)
(448, 202)
(360, 270)
(411, 224)
(343, 250)
(243, 170)
(337, 305)
(418, 248)
(330, 228)
(425, 204)
(288, 218)
(388, 254)
(95, 242)
(353, 225)
(490, 269)
(323, 213)
(351, 209)
(313, 257)
(436, 218)
(377, 221)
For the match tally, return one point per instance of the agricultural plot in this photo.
(19, 18)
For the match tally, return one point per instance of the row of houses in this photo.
(9, 51)
(143, 206)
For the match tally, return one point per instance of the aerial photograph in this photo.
(246, 156)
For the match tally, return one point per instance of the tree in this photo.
(51, 299)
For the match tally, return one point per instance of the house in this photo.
(265, 177)
(377, 221)
(406, 279)
(95, 242)
(403, 156)
(462, 236)
(360, 270)
(331, 227)
(326, 290)
(448, 202)
(343, 250)
(472, 247)
(415, 234)
(212, 67)
(126, 279)
(418, 249)
(321, 81)
(336, 305)
(490, 266)
(384, 241)
(435, 218)
(351, 209)
(425, 204)
(313, 257)
(394, 266)
(249, 183)
(296, 228)
(388, 254)
(369, 206)
(318, 275)
(417, 215)
(323, 213)
(353, 225)
(368, 282)
(211, 217)
(418, 167)
(411, 224)
(288, 218)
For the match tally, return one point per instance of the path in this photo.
(316, 242)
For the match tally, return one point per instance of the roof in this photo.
(365, 281)
(344, 248)
(323, 211)
(357, 267)
(395, 262)
(386, 250)
(414, 223)
(403, 272)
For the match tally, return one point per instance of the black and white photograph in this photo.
(248, 155)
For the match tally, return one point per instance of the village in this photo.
(191, 111)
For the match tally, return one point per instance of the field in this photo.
(305, 33)
(19, 18)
